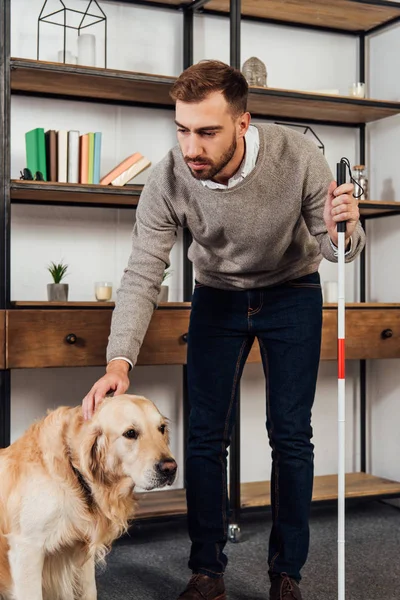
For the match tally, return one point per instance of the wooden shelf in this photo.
(257, 495)
(89, 83)
(31, 192)
(43, 192)
(373, 208)
(318, 108)
(358, 485)
(344, 15)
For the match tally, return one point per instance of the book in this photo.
(73, 156)
(119, 169)
(51, 154)
(132, 171)
(91, 157)
(97, 157)
(62, 155)
(35, 147)
(84, 158)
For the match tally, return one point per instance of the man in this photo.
(262, 209)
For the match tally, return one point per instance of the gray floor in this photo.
(151, 565)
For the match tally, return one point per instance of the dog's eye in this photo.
(162, 429)
(131, 434)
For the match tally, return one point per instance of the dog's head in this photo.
(128, 437)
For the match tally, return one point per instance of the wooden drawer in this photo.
(373, 332)
(2, 339)
(39, 338)
(42, 338)
(370, 333)
(57, 338)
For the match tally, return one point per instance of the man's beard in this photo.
(212, 169)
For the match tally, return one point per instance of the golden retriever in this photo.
(66, 493)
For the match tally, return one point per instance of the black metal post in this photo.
(234, 455)
(5, 408)
(235, 22)
(362, 58)
(234, 467)
(4, 206)
(363, 363)
(188, 18)
(363, 415)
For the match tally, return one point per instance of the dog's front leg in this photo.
(26, 563)
(88, 581)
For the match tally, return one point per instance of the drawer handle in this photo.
(185, 337)
(71, 338)
(386, 334)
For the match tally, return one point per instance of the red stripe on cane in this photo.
(341, 359)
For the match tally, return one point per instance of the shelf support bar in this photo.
(5, 100)
(234, 453)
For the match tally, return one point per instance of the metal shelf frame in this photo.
(188, 11)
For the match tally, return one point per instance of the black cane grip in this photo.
(340, 179)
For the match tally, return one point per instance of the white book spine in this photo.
(62, 150)
(73, 156)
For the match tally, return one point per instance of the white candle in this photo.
(103, 291)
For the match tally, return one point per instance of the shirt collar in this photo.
(252, 145)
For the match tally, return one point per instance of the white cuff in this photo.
(335, 248)
(123, 358)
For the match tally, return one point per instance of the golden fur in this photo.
(52, 529)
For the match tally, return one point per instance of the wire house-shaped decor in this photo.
(88, 17)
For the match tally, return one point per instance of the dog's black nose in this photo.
(167, 467)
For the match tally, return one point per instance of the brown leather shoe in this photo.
(202, 587)
(284, 588)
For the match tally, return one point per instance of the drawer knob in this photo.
(185, 337)
(386, 334)
(71, 338)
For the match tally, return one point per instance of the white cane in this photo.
(341, 228)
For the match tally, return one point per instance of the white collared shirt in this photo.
(252, 139)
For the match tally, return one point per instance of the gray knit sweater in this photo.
(267, 229)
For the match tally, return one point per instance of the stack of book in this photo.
(68, 157)
(126, 170)
(64, 156)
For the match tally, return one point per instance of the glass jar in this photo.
(362, 180)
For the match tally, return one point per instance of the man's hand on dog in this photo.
(115, 380)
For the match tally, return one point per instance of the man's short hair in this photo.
(207, 76)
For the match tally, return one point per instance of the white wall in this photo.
(383, 250)
(95, 242)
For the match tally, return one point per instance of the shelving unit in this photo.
(373, 329)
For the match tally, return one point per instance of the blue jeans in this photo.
(287, 321)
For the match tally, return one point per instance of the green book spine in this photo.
(91, 157)
(36, 151)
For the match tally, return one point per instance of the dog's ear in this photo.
(95, 453)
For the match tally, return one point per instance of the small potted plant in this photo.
(57, 291)
(163, 295)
